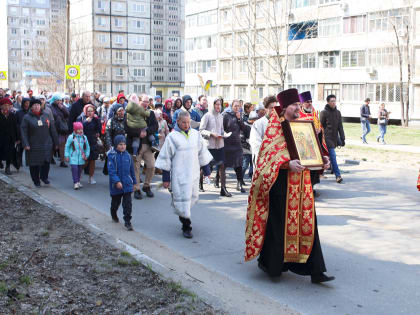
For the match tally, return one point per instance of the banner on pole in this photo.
(72, 72)
(3, 75)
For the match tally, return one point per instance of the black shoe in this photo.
(46, 182)
(216, 181)
(243, 183)
(37, 185)
(200, 187)
(138, 195)
(262, 267)
(316, 194)
(148, 191)
(114, 217)
(225, 193)
(128, 226)
(321, 278)
(7, 171)
(339, 179)
(62, 164)
(52, 161)
(187, 234)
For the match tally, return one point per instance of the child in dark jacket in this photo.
(121, 180)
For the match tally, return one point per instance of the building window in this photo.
(302, 3)
(139, 88)
(354, 58)
(40, 22)
(138, 41)
(385, 57)
(328, 59)
(190, 67)
(243, 66)
(206, 66)
(225, 16)
(40, 12)
(329, 27)
(139, 72)
(260, 92)
(354, 24)
(139, 24)
(207, 18)
(227, 41)
(242, 39)
(260, 10)
(137, 7)
(385, 92)
(353, 92)
(327, 1)
(385, 20)
(226, 92)
(119, 6)
(26, 42)
(101, 21)
(303, 61)
(26, 11)
(119, 55)
(119, 72)
(118, 39)
(117, 22)
(304, 87)
(101, 4)
(13, 31)
(102, 38)
(226, 66)
(259, 65)
(303, 30)
(241, 92)
(102, 87)
(26, 53)
(138, 56)
(327, 89)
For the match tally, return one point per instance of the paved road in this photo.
(368, 229)
(386, 147)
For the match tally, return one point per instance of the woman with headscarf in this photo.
(60, 113)
(177, 105)
(211, 128)
(91, 128)
(39, 137)
(9, 134)
(167, 112)
(187, 106)
(232, 122)
(115, 126)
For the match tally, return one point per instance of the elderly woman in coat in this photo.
(211, 128)
(181, 145)
(9, 134)
(232, 122)
(39, 137)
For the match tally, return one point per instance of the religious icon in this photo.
(303, 144)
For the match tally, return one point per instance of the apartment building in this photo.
(132, 45)
(348, 48)
(28, 22)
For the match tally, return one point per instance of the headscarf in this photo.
(85, 109)
(167, 102)
(55, 97)
(120, 96)
(134, 98)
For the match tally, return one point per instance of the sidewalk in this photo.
(387, 147)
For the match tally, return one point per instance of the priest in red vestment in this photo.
(281, 221)
(308, 112)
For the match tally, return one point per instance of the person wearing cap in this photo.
(308, 112)
(259, 127)
(158, 101)
(76, 152)
(181, 157)
(281, 221)
(39, 137)
(9, 133)
(121, 180)
(332, 125)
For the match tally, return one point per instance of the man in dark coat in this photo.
(77, 109)
(364, 119)
(9, 134)
(333, 127)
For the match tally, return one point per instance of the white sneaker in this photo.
(80, 184)
(76, 186)
(207, 180)
(92, 181)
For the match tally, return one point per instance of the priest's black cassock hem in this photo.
(272, 253)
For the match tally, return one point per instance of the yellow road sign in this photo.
(254, 97)
(72, 72)
(3, 75)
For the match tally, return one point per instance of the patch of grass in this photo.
(149, 267)
(25, 280)
(122, 262)
(135, 263)
(394, 134)
(125, 254)
(20, 296)
(177, 287)
(3, 287)
(3, 265)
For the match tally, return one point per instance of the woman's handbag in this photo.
(382, 121)
(61, 126)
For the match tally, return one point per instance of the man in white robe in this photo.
(259, 127)
(180, 159)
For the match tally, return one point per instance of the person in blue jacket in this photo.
(187, 107)
(121, 180)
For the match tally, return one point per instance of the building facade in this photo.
(347, 48)
(28, 23)
(131, 45)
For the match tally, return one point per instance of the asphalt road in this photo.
(368, 229)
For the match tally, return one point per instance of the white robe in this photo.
(257, 136)
(183, 157)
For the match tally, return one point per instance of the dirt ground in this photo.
(51, 265)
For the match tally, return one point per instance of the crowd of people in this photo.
(77, 131)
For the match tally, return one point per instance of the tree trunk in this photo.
(408, 79)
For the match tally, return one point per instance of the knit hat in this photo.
(105, 100)
(134, 98)
(5, 100)
(55, 97)
(34, 101)
(286, 98)
(119, 139)
(305, 96)
(158, 97)
(120, 96)
(77, 126)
